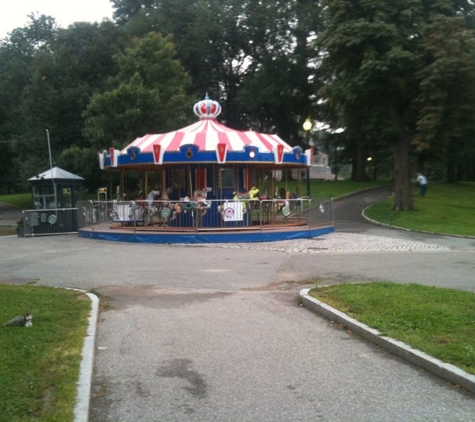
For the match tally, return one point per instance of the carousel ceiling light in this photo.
(252, 154)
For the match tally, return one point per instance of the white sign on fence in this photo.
(233, 211)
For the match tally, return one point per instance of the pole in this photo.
(51, 169)
(336, 163)
(308, 170)
(306, 127)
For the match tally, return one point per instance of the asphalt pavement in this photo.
(217, 333)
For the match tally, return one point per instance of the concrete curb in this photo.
(81, 409)
(444, 370)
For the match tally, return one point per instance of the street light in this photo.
(307, 125)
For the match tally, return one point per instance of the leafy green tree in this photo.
(277, 93)
(148, 95)
(19, 144)
(380, 57)
(447, 94)
(125, 10)
(47, 79)
(65, 76)
(254, 57)
(83, 162)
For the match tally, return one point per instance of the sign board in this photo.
(233, 211)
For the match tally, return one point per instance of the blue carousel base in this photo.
(196, 237)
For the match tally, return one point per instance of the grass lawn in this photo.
(22, 200)
(40, 364)
(440, 322)
(7, 231)
(446, 208)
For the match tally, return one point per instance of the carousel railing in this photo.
(205, 214)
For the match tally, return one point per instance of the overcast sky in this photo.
(14, 13)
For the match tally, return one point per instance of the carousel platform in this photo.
(261, 222)
(193, 235)
(238, 221)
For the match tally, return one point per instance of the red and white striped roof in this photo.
(206, 134)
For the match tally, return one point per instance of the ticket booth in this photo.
(56, 188)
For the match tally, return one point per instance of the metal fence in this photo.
(46, 222)
(205, 214)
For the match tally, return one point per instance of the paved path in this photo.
(9, 215)
(217, 333)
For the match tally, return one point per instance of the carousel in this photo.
(206, 183)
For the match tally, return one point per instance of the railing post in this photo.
(331, 210)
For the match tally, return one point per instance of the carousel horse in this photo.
(89, 213)
(114, 214)
(201, 204)
(283, 206)
(164, 207)
(165, 200)
(151, 209)
(132, 207)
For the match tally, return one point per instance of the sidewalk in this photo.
(9, 215)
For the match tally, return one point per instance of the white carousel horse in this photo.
(114, 214)
(151, 209)
(132, 207)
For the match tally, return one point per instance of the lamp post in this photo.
(307, 125)
(51, 169)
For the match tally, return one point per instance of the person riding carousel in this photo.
(254, 196)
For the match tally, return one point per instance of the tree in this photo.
(254, 57)
(19, 138)
(47, 77)
(125, 10)
(379, 55)
(83, 162)
(447, 94)
(277, 93)
(148, 95)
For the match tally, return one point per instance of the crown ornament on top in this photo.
(207, 109)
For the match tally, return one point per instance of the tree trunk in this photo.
(451, 172)
(403, 200)
(359, 163)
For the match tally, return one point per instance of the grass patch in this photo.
(40, 364)
(446, 209)
(440, 322)
(21, 200)
(7, 230)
